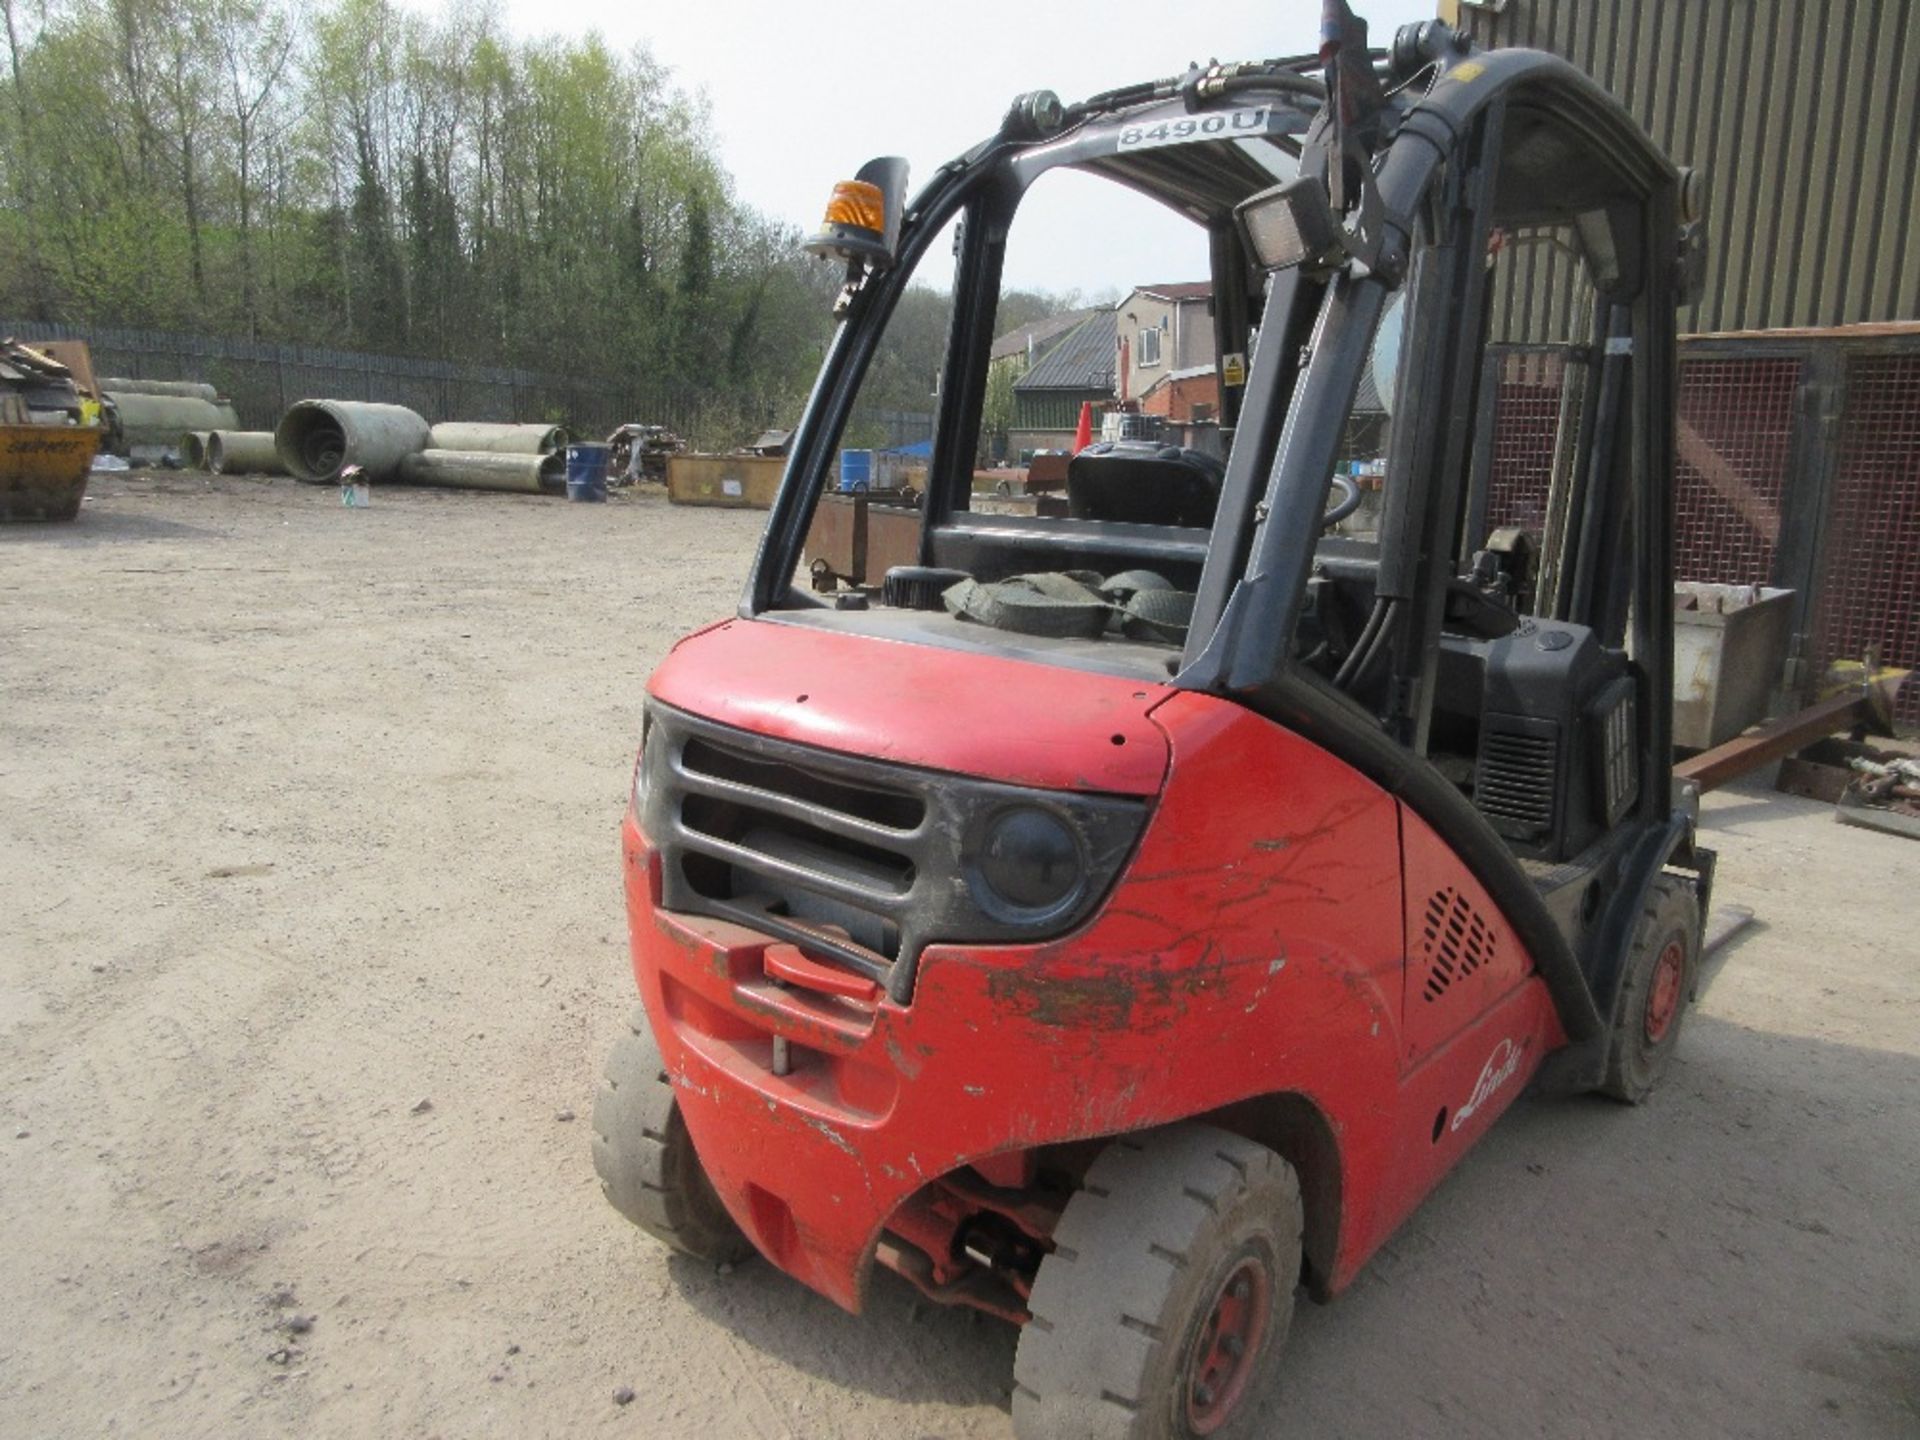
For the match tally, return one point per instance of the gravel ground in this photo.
(311, 943)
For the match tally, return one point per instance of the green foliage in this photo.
(996, 415)
(360, 176)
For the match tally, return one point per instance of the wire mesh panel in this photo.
(1533, 398)
(1869, 595)
(1734, 434)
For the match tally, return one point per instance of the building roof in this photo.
(1178, 291)
(1039, 334)
(1174, 377)
(1082, 360)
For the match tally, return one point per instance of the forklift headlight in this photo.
(1028, 866)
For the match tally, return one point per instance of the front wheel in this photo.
(1662, 969)
(648, 1167)
(1168, 1293)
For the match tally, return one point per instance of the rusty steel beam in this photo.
(1711, 769)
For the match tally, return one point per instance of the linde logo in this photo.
(1499, 1069)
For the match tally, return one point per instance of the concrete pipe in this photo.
(479, 470)
(193, 449)
(475, 438)
(317, 439)
(243, 452)
(178, 389)
(158, 421)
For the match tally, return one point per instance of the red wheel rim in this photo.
(1221, 1359)
(1663, 995)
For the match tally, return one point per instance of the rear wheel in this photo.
(1168, 1293)
(648, 1167)
(1662, 970)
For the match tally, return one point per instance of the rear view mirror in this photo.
(862, 223)
(1293, 224)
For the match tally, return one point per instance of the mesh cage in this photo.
(1537, 388)
(1734, 434)
(1869, 593)
(1746, 465)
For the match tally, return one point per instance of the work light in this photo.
(1293, 224)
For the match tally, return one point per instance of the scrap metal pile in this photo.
(641, 452)
(35, 388)
(1884, 793)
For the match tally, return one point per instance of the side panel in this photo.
(1462, 956)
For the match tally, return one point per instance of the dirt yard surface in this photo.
(311, 943)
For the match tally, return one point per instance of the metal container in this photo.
(1729, 644)
(856, 471)
(317, 439)
(243, 452)
(44, 469)
(857, 539)
(737, 481)
(587, 471)
(476, 438)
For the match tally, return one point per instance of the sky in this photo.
(803, 94)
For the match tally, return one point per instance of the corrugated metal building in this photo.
(1804, 117)
(1799, 405)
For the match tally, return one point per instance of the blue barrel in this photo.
(587, 471)
(856, 471)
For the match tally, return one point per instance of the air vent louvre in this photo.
(918, 587)
(1456, 941)
(1618, 726)
(1517, 781)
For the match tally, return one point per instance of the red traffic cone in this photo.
(1083, 437)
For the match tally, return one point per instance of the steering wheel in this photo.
(1348, 502)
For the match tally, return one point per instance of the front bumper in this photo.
(877, 1098)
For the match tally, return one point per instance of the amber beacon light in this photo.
(862, 223)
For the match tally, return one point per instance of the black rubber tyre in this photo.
(1126, 1307)
(648, 1167)
(1662, 970)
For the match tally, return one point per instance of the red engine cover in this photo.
(1010, 720)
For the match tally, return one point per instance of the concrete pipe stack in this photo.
(467, 455)
(318, 439)
(173, 389)
(141, 421)
(489, 439)
(479, 470)
(243, 452)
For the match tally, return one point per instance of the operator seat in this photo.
(1143, 482)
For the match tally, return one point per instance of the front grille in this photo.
(1517, 779)
(860, 862)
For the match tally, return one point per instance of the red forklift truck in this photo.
(1117, 920)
